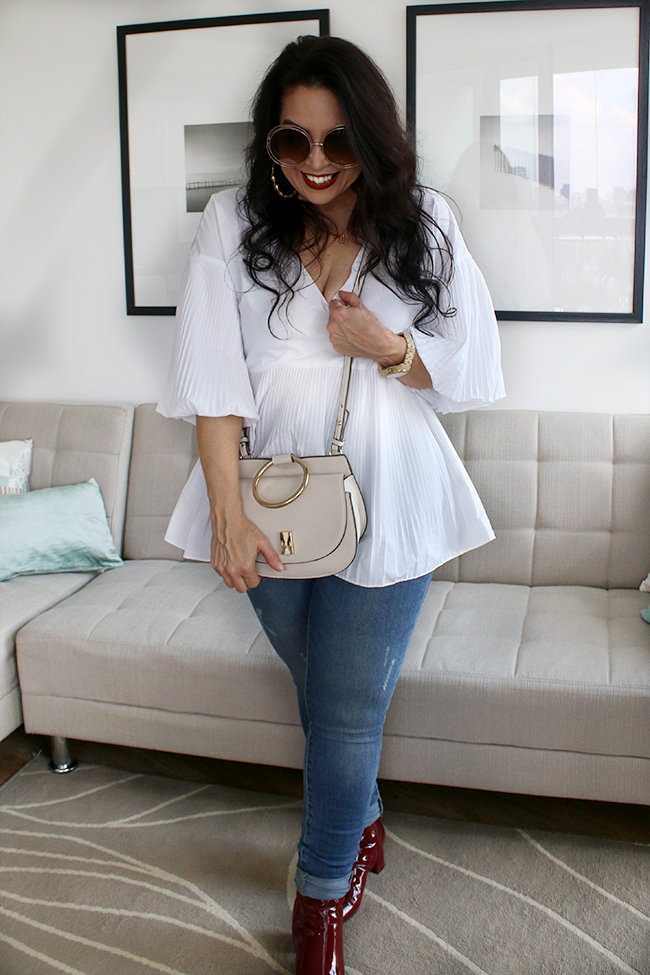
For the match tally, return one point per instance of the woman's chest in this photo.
(331, 269)
(294, 332)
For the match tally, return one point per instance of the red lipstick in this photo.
(324, 185)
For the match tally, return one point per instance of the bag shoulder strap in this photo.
(342, 415)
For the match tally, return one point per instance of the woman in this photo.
(266, 316)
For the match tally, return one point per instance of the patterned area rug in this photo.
(109, 873)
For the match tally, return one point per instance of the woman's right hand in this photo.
(236, 541)
(235, 545)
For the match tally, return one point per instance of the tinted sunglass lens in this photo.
(289, 147)
(337, 148)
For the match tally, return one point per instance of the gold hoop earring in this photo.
(285, 196)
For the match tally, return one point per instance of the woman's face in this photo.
(316, 110)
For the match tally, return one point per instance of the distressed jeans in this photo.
(344, 646)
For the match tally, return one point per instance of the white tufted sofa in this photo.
(528, 671)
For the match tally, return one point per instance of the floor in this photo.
(603, 819)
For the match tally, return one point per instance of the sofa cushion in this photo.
(73, 444)
(536, 667)
(15, 465)
(59, 529)
(164, 453)
(540, 667)
(21, 600)
(566, 494)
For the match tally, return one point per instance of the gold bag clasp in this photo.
(286, 544)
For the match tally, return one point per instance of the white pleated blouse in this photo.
(284, 381)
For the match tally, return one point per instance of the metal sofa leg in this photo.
(62, 760)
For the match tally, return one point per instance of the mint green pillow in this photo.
(60, 529)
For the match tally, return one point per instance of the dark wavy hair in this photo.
(405, 248)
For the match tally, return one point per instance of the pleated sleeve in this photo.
(208, 374)
(463, 357)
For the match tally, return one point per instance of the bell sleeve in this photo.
(208, 374)
(463, 356)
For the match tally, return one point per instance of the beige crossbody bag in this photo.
(310, 508)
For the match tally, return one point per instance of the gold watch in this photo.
(402, 367)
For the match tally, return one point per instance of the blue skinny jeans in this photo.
(344, 646)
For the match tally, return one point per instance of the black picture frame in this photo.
(143, 50)
(460, 40)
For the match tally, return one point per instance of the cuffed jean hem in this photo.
(374, 813)
(321, 888)
(331, 889)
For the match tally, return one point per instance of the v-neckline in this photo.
(353, 272)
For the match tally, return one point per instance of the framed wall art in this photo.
(532, 117)
(185, 89)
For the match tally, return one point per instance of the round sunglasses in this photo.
(290, 146)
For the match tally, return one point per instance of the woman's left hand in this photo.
(355, 331)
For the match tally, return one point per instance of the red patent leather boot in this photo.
(318, 936)
(370, 858)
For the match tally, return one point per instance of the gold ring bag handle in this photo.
(296, 494)
(315, 525)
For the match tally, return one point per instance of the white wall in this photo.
(65, 334)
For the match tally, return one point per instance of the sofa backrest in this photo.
(567, 493)
(164, 452)
(73, 443)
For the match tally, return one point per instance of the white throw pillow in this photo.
(15, 466)
(645, 585)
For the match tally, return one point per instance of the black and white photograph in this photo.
(529, 119)
(214, 160)
(185, 92)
